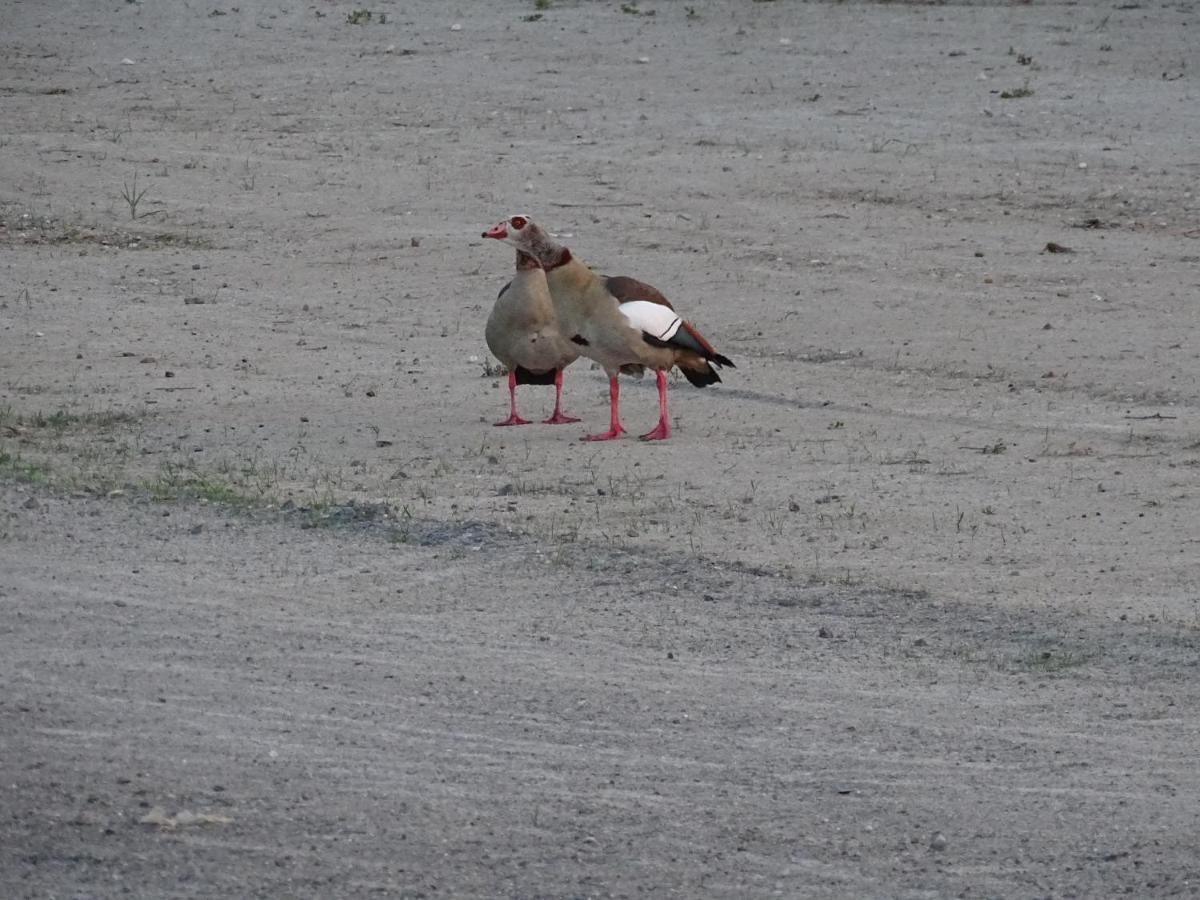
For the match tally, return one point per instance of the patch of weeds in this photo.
(133, 197)
(248, 177)
(1039, 655)
(988, 449)
(86, 449)
(359, 17)
(1051, 661)
(632, 10)
(26, 228)
(523, 487)
(14, 467)
(1017, 93)
(252, 475)
(493, 371)
(878, 145)
(61, 420)
(542, 4)
(402, 531)
(179, 483)
(169, 239)
(804, 599)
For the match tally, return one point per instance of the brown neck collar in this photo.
(563, 259)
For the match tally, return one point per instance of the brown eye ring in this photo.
(517, 222)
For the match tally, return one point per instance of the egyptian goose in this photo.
(621, 323)
(522, 333)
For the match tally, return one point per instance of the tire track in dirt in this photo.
(610, 719)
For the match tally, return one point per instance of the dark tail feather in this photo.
(687, 336)
(524, 376)
(684, 338)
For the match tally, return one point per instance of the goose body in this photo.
(623, 324)
(522, 332)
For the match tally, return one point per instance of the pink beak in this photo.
(499, 232)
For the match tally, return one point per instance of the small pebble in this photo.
(937, 843)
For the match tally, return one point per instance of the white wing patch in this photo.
(652, 318)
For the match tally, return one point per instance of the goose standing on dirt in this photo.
(522, 333)
(620, 322)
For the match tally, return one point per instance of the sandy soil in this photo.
(908, 607)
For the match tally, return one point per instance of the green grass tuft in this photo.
(178, 483)
(1016, 93)
(14, 467)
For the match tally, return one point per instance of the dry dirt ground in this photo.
(908, 607)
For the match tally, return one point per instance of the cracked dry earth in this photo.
(908, 607)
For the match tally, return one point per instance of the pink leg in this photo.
(513, 418)
(662, 430)
(614, 429)
(557, 417)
